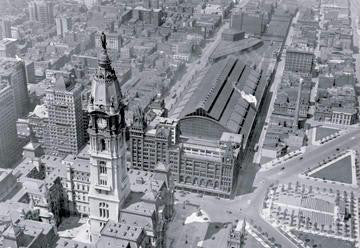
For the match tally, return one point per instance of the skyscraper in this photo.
(41, 11)
(5, 29)
(63, 25)
(13, 71)
(8, 47)
(32, 11)
(109, 182)
(8, 141)
(63, 101)
(90, 3)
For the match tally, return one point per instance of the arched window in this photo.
(102, 167)
(102, 145)
(103, 210)
(103, 182)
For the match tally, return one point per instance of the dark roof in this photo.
(226, 48)
(215, 97)
(250, 118)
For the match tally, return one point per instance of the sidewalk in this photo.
(192, 69)
(274, 88)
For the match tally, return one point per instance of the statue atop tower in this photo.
(103, 40)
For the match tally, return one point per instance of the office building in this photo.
(17, 33)
(36, 124)
(123, 235)
(13, 71)
(8, 136)
(29, 234)
(344, 116)
(77, 182)
(252, 23)
(5, 29)
(232, 35)
(65, 120)
(32, 11)
(70, 243)
(63, 25)
(204, 142)
(41, 11)
(299, 60)
(197, 165)
(30, 71)
(8, 47)
(90, 3)
(151, 16)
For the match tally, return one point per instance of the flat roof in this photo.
(7, 65)
(230, 137)
(121, 231)
(6, 41)
(70, 243)
(78, 163)
(300, 50)
(232, 31)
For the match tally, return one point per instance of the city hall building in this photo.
(205, 138)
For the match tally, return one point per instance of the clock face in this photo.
(102, 123)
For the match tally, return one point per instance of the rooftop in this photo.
(69, 243)
(230, 47)
(40, 111)
(7, 65)
(305, 50)
(230, 137)
(142, 216)
(78, 163)
(144, 182)
(6, 41)
(3, 85)
(121, 231)
(4, 173)
(216, 97)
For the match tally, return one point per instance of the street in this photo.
(249, 205)
(191, 70)
(195, 67)
(252, 185)
(274, 88)
(355, 10)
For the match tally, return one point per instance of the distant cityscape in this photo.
(179, 123)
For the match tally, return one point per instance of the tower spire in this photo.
(105, 89)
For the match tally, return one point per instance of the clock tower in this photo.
(109, 182)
